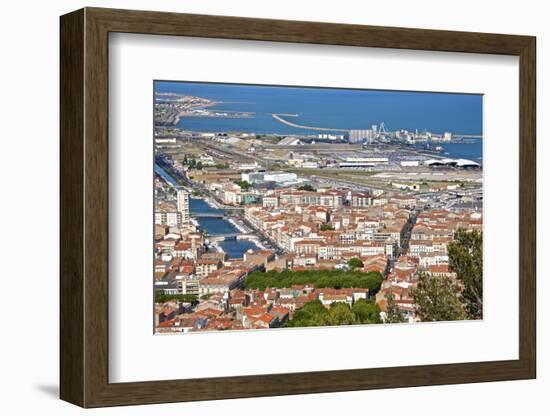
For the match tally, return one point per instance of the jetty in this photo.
(279, 117)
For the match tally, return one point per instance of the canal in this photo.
(214, 226)
(165, 175)
(218, 226)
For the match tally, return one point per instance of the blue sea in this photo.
(337, 108)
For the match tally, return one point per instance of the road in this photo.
(404, 248)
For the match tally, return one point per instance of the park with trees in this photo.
(161, 297)
(336, 279)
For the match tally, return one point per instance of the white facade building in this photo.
(183, 205)
(171, 219)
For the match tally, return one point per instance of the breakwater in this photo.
(300, 126)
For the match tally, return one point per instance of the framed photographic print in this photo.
(256, 207)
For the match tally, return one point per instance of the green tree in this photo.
(326, 227)
(466, 260)
(245, 186)
(437, 299)
(306, 187)
(355, 263)
(311, 314)
(393, 314)
(315, 314)
(340, 314)
(366, 312)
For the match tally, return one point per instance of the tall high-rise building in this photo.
(183, 205)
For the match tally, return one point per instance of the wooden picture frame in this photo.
(84, 207)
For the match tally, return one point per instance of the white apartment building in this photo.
(183, 205)
(432, 259)
(270, 201)
(189, 286)
(171, 219)
(232, 196)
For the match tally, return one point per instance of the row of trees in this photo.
(320, 278)
(444, 299)
(315, 314)
(161, 297)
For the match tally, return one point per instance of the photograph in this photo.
(295, 206)
(276, 207)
